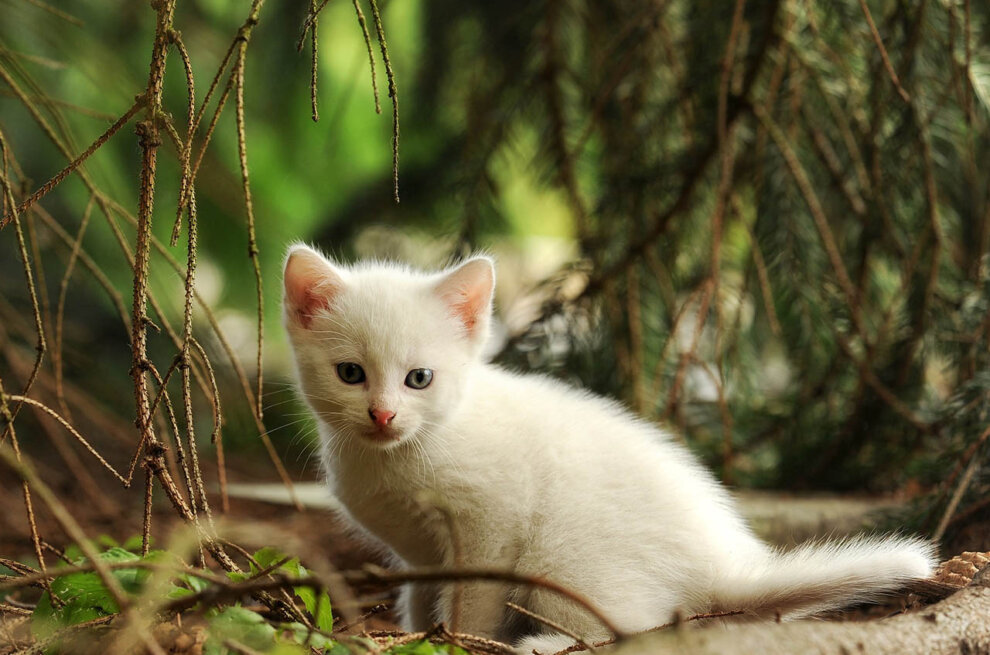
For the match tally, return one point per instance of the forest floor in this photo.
(315, 534)
(323, 542)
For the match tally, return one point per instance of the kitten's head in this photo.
(383, 351)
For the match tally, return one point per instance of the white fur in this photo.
(539, 477)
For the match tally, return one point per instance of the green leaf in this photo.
(118, 554)
(243, 626)
(194, 582)
(362, 645)
(184, 583)
(190, 584)
(322, 614)
(265, 557)
(318, 605)
(134, 544)
(73, 553)
(298, 633)
(106, 541)
(177, 592)
(237, 576)
(84, 595)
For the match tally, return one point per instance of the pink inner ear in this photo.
(467, 308)
(310, 285)
(468, 292)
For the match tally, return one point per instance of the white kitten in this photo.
(539, 478)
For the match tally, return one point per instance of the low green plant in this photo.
(82, 597)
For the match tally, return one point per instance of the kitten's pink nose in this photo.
(381, 417)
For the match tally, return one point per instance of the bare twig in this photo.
(371, 573)
(764, 279)
(231, 356)
(149, 483)
(883, 52)
(55, 11)
(377, 609)
(238, 75)
(371, 54)
(51, 412)
(971, 468)
(40, 345)
(314, 62)
(60, 312)
(8, 420)
(310, 18)
(818, 215)
(186, 150)
(380, 32)
(65, 172)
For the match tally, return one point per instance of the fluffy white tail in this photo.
(817, 577)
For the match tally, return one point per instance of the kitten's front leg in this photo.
(473, 607)
(417, 606)
(476, 608)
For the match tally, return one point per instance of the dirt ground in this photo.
(323, 543)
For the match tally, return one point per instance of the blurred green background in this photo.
(781, 252)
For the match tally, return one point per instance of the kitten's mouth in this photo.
(381, 435)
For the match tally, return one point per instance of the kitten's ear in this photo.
(311, 282)
(468, 290)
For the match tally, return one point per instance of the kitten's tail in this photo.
(818, 577)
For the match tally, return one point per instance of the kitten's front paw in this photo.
(544, 644)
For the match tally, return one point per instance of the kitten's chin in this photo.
(381, 438)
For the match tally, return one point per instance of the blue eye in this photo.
(419, 378)
(350, 372)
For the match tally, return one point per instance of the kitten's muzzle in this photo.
(381, 417)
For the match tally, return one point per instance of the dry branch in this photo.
(65, 172)
(374, 574)
(883, 52)
(371, 54)
(380, 33)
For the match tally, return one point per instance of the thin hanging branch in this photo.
(883, 52)
(238, 76)
(380, 32)
(186, 150)
(818, 215)
(60, 311)
(310, 19)
(8, 421)
(148, 131)
(314, 63)
(46, 188)
(371, 54)
(150, 139)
